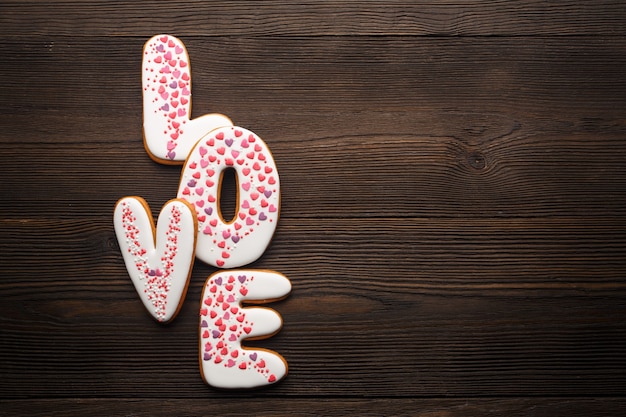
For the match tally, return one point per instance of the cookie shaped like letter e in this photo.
(224, 363)
(169, 133)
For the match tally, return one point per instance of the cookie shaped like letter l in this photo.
(168, 132)
(224, 363)
(158, 264)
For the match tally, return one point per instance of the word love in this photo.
(159, 258)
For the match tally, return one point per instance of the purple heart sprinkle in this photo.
(165, 107)
(235, 238)
(267, 193)
(151, 272)
(262, 216)
(207, 356)
(173, 84)
(253, 356)
(171, 154)
(241, 278)
(216, 334)
(228, 142)
(208, 210)
(204, 324)
(160, 48)
(191, 183)
(218, 280)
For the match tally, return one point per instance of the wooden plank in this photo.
(313, 18)
(509, 79)
(467, 255)
(231, 406)
(511, 176)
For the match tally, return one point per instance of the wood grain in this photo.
(462, 407)
(453, 205)
(314, 18)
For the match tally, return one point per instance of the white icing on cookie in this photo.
(224, 324)
(245, 238)
(159, 265)
(169, 134)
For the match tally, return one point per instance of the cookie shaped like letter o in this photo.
(159, 261)
(169, 133)
(224, 363)
(245, 238)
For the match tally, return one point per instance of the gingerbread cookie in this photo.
(169, 133)
(224, 323)
(242, 240)
(159, 261)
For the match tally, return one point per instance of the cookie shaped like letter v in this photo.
(169, 133)
(159, 264)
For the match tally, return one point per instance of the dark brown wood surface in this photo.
(453, 205)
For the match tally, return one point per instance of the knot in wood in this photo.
(477, 160)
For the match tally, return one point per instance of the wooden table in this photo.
(453, 205)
